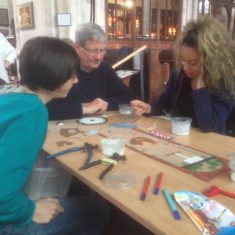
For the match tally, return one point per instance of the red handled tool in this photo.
(214, 190)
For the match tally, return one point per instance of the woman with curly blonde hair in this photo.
(214, 46)
(203, 86)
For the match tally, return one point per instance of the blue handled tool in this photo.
(69, 150)
(124, 125)
(85, 148)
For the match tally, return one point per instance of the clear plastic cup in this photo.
(181, 125)
(110, 146)
(125, 109)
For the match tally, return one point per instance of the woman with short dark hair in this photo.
(47, 70)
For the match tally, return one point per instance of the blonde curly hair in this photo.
(213, 42)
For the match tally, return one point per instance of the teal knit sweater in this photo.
(23, 127)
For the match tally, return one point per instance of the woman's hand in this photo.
(46, 210)
(198, 82)
(140, 107)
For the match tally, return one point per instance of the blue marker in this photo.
(171, 204)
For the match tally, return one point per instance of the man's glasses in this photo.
(94, 52)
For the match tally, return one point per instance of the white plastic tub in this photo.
(181, 125)
(47, 180)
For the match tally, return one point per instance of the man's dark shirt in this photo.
(100, 83)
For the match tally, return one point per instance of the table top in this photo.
(153, 213)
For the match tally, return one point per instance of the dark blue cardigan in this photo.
(210, 112)
(101, 83)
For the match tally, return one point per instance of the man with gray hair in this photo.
(99, 88)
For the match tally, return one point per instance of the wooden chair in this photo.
(158, 76)
(231, 123)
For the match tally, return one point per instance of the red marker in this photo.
(146, 187)
(158, 184)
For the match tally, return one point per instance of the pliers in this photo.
(109, 161)
(85, 148)
(89, 149)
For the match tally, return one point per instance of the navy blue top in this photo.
(209, 112)
(100, 83)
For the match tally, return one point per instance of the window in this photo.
(143, 19)
(223, 10)
(204, 7)
(4, 19)
(63, 19)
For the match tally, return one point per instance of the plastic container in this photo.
(231, 165)
(119, 180)
(181, 125)
(110, 146)
(47, 180)
(125, 109)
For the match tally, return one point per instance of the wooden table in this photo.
(154, 212)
